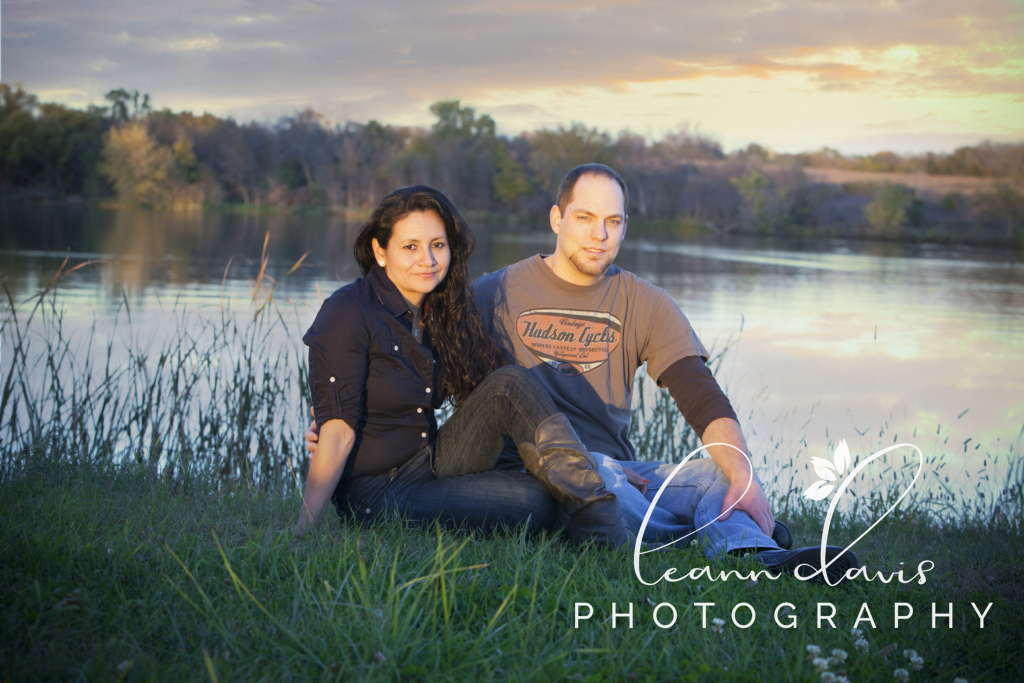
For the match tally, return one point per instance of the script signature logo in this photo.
(830, 473)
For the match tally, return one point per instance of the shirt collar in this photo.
(389, 296)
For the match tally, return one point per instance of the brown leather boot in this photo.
(569, 472)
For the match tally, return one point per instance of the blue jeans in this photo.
(487, 501)
(454, 480)
(692, 499)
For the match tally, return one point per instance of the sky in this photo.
(791, 75)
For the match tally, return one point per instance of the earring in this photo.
(381, 263)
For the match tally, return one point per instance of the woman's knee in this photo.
(542, 510)
(509, 376)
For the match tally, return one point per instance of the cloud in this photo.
(387, 59)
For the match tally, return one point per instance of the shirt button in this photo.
(419, 410)
(423, 434)
(396, 348)
(428, 390)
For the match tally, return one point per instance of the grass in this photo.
(144, 500)
(110, 575)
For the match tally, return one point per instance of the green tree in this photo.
(1005, 203)
(553, 153)
(135, 165)
(15, 100)
(185, 163)
(762, 204)
(950, 201)
(510, 180)
(456, 121)
(47, 145)
(887, 211)
(119, 100)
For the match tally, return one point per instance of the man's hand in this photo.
(754, 503)
(312, 435)
(736, 468)
(636, 480)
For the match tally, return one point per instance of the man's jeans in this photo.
(466, 490)
(692, 499)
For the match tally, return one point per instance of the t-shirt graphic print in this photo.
(573, 342)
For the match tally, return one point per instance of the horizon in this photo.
(793, 77)
(425, 128)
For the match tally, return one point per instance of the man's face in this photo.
(592, 227)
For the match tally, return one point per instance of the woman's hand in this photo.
(636, 480)
(334, 444)
(312, 435)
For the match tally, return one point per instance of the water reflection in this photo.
(868, 342)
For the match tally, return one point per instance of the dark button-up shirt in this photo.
(366, 368)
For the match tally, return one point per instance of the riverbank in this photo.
(841, 208)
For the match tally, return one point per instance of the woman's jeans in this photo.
(456, 483)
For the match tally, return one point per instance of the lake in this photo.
(869, 342)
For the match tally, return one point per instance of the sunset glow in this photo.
(793, 76)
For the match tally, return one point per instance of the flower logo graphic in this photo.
(829, 472)
(832, 479)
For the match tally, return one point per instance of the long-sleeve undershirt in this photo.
(696, 392)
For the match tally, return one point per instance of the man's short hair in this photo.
(568, 184)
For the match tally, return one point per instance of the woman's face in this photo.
(417, 256)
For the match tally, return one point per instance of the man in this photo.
(583, 327)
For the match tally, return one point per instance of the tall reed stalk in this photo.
(217, 396)
(224, 397)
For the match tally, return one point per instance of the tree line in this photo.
(126, 149)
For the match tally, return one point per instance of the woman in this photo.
(389, 348)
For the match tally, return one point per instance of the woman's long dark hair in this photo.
(468, 353)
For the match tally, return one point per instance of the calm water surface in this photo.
(868, 342)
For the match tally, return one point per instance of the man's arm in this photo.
(335, 444)
(707, 410)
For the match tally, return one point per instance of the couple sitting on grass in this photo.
(538, 360)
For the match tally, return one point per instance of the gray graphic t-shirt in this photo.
(585, 343)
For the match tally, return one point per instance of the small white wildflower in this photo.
(694, 543)
(813, 650)
(910, 654)
(862, 646)
(917, 663)
(828, 677)
(856, 632)
(901, 675)
(839, 655)
(842, 679)
(718, 625)
(820, 664)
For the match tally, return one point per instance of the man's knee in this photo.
(702, 471)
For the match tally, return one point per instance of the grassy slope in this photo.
(155, 599)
